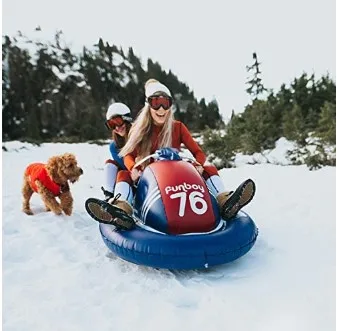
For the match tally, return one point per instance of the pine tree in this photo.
(293, 125)
(15, 106)
(301, 93)
(257, 134)
(219, 147)
(256, 88)
(326, 129)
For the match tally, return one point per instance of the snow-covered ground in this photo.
(58, 274)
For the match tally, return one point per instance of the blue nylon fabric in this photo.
(114, 154)
(168, 153)
(156, 216)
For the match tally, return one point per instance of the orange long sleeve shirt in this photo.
(180, 135)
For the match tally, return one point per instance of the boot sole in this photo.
(103, 212)
(241, 197)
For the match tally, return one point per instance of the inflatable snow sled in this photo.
(177, 222)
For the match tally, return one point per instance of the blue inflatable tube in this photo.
(200, 251)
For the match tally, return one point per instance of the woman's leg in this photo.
(213, 180)
(229, 202)
(123, 190)
(118, 210)
(110, 175)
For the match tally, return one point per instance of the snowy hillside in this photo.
(58, 274)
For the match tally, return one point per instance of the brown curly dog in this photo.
(50, 181)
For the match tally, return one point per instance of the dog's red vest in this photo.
(37, 171)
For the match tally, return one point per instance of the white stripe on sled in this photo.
(157, 197)
(148, 199)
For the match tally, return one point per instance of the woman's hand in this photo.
(135, 174)
(199, 168)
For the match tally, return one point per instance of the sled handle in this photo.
(154, 155)
(144, 159)
(187, 158)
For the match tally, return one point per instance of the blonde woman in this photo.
(156, 128)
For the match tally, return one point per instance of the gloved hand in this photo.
(168, 153)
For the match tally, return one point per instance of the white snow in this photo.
(68, 72)
(58, 274)
(117, 59)
(274, 156)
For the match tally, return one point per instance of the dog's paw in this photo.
(67, 211)
(57, 211)
(28, 211)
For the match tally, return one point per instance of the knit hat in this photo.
(155, 87)
(119, 109)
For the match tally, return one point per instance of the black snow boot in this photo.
(231, 202)
(115, 212)
(107, 194)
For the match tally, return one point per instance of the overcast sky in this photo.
(207, 44)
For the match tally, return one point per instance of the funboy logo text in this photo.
(184, 187)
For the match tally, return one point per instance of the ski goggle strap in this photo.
(156, 102)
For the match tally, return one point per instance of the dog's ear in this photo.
(52, 166)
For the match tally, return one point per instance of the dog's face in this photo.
(69, 167)
(63, 168)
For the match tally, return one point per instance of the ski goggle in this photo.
(113, 122)
(156, 102)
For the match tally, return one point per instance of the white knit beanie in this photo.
(155, 87)
(119, 109)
